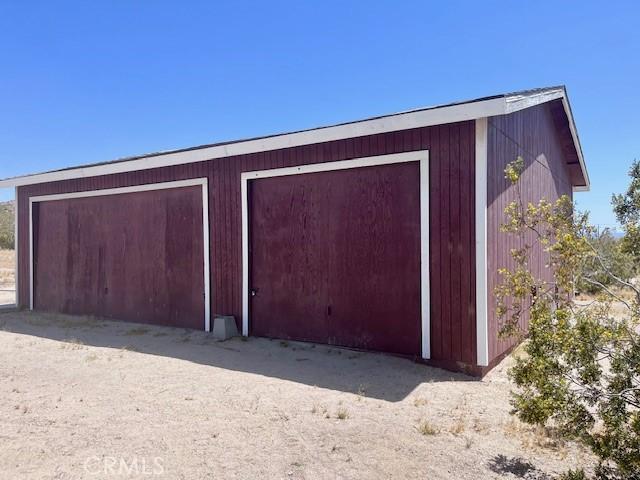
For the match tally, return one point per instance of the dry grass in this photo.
(419, 401)
(72, 344)
(62, 321)
(458, 426)
(479, 426)
(7, 268)
(7, 258)
(342, 413)
(321, 409)
(617, 307)
(536, 438)
(91, 357)
(137, 331)
(425, 427)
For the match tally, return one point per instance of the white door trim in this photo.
(15, 249)
(482, 297)
(421, 156)
(203, 182)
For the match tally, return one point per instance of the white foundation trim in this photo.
(203, 182)
(421, 156)
(482, 316)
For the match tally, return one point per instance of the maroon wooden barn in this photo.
(380, 234)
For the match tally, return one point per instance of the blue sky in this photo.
(90, 81)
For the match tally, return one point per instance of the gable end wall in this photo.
(529, 133)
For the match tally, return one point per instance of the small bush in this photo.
(7, 241)
(458, 427)
(425, 428)
(573, 475)
(342, 414)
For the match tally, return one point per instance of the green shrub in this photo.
(7, 241)
(581, 371)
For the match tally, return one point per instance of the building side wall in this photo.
(531, 134)
(452, 232)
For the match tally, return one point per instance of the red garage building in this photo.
(380, 234)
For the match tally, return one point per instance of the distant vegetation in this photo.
(7, 231)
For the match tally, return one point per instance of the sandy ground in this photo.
(7, 297)
(7, 277)
(85, 398)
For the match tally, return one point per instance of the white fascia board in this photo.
(402, 121)
(516, 103)
(392, 123)
(578, 147)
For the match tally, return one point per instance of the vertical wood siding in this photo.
(531, 134)
(452, 232)
(353, 237)
(136, 256)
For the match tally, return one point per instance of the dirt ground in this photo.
(88, 398)
(7, 277)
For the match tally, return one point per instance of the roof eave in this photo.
(473, 110)
(576, 143)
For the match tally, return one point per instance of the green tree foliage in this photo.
(6, 225)
(614, 254)
(627, 210)
(6, 241)
(580, 373)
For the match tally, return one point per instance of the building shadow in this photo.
(379, 375)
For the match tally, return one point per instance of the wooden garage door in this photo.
(335, 257)
(132, 256)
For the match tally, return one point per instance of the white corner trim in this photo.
(482, 316)
(390, 123)
(15, 248)
(30, 254)
(203, 182)
(421, 156)
(425, 281)
(206, 246)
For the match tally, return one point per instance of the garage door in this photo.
(335, 257)
(135, 256)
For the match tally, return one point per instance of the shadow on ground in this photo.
(385, 377)
(517, 467)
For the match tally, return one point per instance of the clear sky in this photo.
(91, 81)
